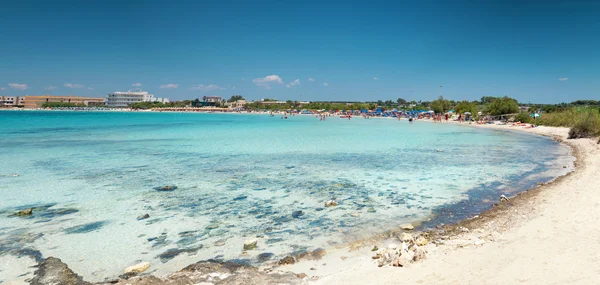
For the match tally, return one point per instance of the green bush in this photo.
(586, 126)
(525, 118)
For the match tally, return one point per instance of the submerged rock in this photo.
(53, 271)
(287, 260)
(166, 188)
(24, 213)
(297, 214)
(265, 256)
(85, 228)
(331, 203)
(173, 252)
(250, 245)
(143, 217)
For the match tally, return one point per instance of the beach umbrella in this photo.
(535, 115)
(467, 113)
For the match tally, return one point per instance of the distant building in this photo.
(124, 99)
(239, 104)
(10, 101)
(38, 101)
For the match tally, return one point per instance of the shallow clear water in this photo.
(239, 177)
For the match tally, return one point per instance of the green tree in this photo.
(465, 106)
(235, 98)
(401, 101)
(440, 105)
(501, 106)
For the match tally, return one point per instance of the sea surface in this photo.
(90, 175)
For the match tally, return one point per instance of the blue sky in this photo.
(539, 51)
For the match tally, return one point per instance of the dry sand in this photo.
(547, 235)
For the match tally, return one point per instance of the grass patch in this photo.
(583, 121)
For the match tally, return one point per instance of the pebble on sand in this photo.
(407, 227)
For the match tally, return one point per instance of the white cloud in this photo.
(18, 86)
(210, 87)
(2, 88)
(295, 82)
(325, 84)
(288, 86)
(136, 84)
(71, 85)
(311, 79)
(233, 88)
(169, 86)
(375, 78)
(563, 78)
(90, 88)
(50, 88)
(267, 81)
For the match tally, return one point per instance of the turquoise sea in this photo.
(89, 175)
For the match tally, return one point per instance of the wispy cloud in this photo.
(311, 79)
(325, 84)
(267, 81)
(2, 88)
(136, 84)
(203, 87)
(169, 86)
(295, 82)
(18, 86)
(233, 88)
(375, 78)
(71, 85)
(563, 78)
(90, 88)
(50, 88)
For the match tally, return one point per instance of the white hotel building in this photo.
(123, 99)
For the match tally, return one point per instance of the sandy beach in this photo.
(547, 235)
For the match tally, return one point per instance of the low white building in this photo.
(9, 101)
(124, 99)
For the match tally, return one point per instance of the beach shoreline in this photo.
(358, 254)
(483, 237)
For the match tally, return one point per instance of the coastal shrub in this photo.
(524, 118)
(586, 126)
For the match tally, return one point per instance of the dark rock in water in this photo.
(85, 228)
(265, 256)
(173, 252)
(289, 166)
(297, 214)
(273, 240)
(32, 253)
(52, 213)
(319, 209)
(287, 260)
(166, 188)
(24, 213)
(239, 198)
(53, 271)
(143, 217)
